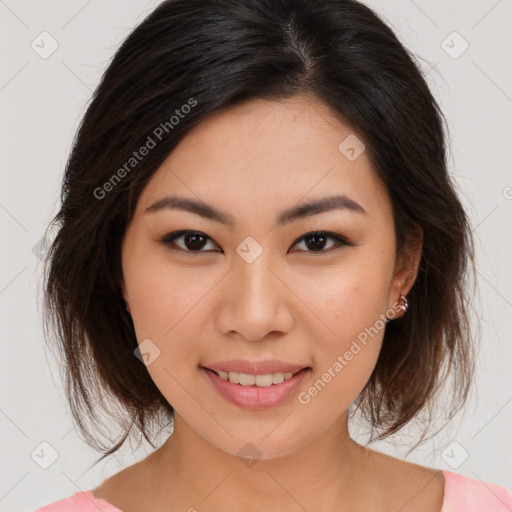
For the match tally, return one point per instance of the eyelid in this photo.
(340, 240)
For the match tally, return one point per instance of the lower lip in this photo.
(253, 397)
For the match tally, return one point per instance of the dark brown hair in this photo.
(187, 60)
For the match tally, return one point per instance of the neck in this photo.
(192, 473)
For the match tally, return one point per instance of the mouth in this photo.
(256, 392)
(261, 380)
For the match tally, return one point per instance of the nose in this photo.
(256, 300)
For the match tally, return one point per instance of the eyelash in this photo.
(340, 240)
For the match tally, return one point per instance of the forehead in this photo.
(268, 154)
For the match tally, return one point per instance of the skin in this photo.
(254, 161)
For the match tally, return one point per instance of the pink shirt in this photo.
(461, 494)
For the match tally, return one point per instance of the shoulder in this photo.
(79, 502)
(464, 494)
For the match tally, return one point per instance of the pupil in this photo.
(316, 245)
(195, 244)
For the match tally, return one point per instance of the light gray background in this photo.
(42, 101)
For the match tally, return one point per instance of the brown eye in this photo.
(193, 241)
(196, 241)
(316, 241)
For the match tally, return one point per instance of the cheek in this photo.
(162, 298)
(341, 379)
(350, 296)
(345, 355)
(167, 307)
(163, 304)
(350, 302)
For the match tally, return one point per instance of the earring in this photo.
(403, 303)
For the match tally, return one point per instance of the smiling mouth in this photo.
(256, 380)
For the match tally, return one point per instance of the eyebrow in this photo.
(314, 207)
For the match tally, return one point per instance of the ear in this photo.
(406, 270)
(124, 293)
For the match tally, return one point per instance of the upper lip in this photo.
(255, 367)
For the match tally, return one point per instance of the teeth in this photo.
(262, 381)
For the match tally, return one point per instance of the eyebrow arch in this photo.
(314, 207)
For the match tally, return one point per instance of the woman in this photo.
(258, 237)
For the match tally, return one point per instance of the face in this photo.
(255, 285)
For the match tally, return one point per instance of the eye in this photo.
(195, 241)
(316, 241)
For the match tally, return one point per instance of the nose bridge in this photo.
(255, 300)
(255, 283)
